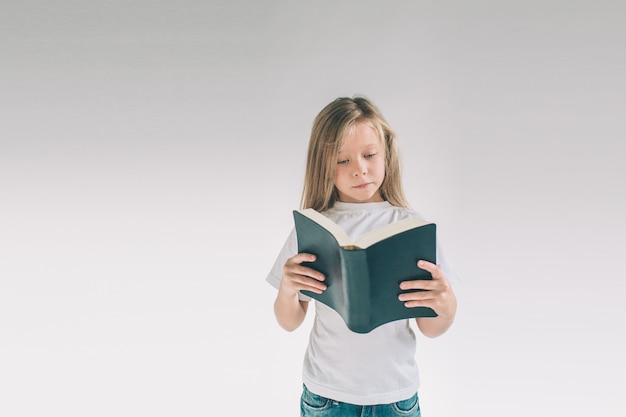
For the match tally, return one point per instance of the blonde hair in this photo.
(329, 130)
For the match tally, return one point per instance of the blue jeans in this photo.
(313, 405)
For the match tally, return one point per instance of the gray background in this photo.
(151, 153)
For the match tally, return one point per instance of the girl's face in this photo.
(360, 166)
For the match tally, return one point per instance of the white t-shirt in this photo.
(378, 367)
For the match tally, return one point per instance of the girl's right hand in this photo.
(297, 277)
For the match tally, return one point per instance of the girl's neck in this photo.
(376, 205)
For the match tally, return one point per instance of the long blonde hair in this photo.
(327, 135)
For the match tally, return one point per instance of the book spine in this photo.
(357, 290)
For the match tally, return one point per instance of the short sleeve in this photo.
(446, 266)
(289, 249)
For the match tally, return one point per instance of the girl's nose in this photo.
(360, 168)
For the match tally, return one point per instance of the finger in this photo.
(429, 299)
(311, 284)
(420, 303)
(418, 284)
(294, 266)
(296, 282)
(308, 272)
(438, 303)
(304, 257)
(417, 296)
(434, 269)
(427, 266)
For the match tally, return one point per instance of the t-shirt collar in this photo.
(366, 207)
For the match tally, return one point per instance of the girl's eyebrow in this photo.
(365, 145)
(372, 145)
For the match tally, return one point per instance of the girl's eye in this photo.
(342, 162)
(370, 155)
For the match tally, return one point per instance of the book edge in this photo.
(381, 233)
(333, 228)
(367, 239)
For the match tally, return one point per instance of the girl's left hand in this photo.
(436, 293)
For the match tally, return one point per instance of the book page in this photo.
(366, 239)
(389, 230)
(342, 238)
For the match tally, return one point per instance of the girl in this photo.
(353, 177)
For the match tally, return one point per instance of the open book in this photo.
(363, 276)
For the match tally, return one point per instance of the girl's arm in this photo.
(438, 295)
(288, 308)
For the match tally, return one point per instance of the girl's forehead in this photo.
(365, 128)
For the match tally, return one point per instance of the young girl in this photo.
(353, 177)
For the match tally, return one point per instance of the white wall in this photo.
(151, 153)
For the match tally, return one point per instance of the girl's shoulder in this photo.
(402, 213)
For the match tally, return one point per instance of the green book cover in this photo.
(363, 276)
